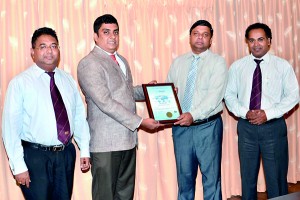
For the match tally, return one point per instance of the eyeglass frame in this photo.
(43, 47)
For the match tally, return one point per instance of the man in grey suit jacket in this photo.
(106, 81)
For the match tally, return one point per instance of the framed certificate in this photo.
(162, 102)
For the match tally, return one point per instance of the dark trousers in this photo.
(199, 145)
(51, 173)
(113, 175)
(269, 142)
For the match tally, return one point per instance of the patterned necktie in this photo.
(62, 121)
(190, 85)
(114, 58)
(255, 99)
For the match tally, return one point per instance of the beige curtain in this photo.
(152, 34)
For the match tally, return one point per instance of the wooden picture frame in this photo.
(162, 102)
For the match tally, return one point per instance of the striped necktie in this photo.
(190, 85)
(255, 99)
(62, 121)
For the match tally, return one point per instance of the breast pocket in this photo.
(273, 86)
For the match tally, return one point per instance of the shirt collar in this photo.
(265, 58)
(115, 53)
(201, 55)
(39, 71)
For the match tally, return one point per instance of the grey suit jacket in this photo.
(110, 98)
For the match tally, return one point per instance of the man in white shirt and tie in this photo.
(41, 159)
(200, 76)
(261, 126)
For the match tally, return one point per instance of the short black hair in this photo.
(42, 31)
(202, 23)
(104, 19)
(265, 27)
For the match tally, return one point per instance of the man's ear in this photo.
(32, 53)
(95, 36)
(269, 41)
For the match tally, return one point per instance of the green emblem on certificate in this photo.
(169, 114)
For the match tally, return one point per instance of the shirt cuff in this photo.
(18, 167)
(84, 153)
(140, 123)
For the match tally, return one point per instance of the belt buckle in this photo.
(200, 121)
(58, 147)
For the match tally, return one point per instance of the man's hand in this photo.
(23, 178)
(153, 82)
(184, 119)
(85, 164)
(256, 117)
(151, 124)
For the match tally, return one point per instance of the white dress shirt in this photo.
(28, 113)
(280, 89)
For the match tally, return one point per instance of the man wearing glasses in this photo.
(261, 89)
(43, 110)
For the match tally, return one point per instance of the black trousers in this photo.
(267, 142)
(51, 173)
(113, 175)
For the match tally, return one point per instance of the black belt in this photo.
(42, 147)
(211, 118)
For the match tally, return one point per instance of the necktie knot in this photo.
(196, 58)
(51, 74)
(114, 58)
(258, 61)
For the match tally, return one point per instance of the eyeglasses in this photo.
(261, 39)
(44, 47)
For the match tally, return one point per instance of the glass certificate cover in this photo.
(162, 102)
